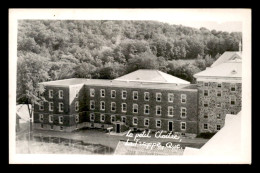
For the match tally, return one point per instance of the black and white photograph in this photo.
(129, 86)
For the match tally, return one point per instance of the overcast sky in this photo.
(224, 26)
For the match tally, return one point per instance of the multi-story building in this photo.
(144, 99)
(219, 91)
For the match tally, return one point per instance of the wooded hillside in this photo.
(52, 50)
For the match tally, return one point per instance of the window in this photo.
(158, 97)
(183, 98)
(232, 87)
(61, 128)
(102, 93)
(51, 118)
(76, 106)
(77, 93)
(102, 118)
(135, 121)
(76, 118)
(41, 107)
(92, 92)
(135, 95)
(206, 84)
(113, 118)
(146, 109)
(232, 112)
(61, 94)
(42, 126)
(170, 111)
(102, 105)
(183, 112)
(92, 104)
(158, 123)
(51, 127)
(219, 93)
(218, 127)
(113, 94)
(170, 97)
(146, 96)
(205, 126)
(183, 125)
(41, 117)
(158, 110)
(146, 122)
(232, 100)
(206, 92)
(219, 85)
(92, 117)
(113, 106)
(218, 116)
(124, 94)
(50, 93)
(61, 107)
(50, 106)
(123, 107)
(206, 115)
(219, 105)
(135, 108)
(206, 103)
(123, 119)
(60, 119)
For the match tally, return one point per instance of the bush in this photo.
(207, 135)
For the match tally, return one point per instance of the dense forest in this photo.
(60, 49)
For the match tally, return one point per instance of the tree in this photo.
(31, 70)
(144, 60)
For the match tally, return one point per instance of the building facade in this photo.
(72, 104)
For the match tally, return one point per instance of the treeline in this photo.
(108, 49)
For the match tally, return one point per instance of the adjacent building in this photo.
(219, 91)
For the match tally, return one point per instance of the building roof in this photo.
(153, 76)
(135, 84)
(226, 56)
(22, 112)
(65, 82)
(226, 142)
(229, 69)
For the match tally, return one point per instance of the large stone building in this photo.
(219, 91)
(145, 99)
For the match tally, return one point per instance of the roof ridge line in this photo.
(159, 72)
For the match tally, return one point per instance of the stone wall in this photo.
(214, 115)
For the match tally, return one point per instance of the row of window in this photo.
(219, 85)
(61, 106)
(134, 120)
(206, 126)
(135, 108)
(219, 93)
(232, 101)
(50, 118)
(135, 95)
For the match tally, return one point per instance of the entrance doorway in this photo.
(117, 128)
(170, 125)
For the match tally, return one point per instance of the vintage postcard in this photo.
(154, 86)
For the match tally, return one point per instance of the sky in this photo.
(219, 26)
